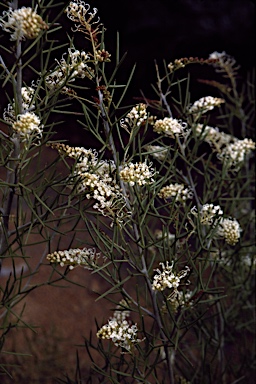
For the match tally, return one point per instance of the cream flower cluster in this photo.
(96, 179)
(68, 70)
(167, 278)
(136, 117)
(27, 94)
(227, 228)
(176, 191)
(213, 136)
(205, 104)
(234, 154)
(170, 127)
(157, 151)
(78, 12)
(85, 156)
(209, 214)
(22, 23)
(28, 124)
(86, 257)
(121, 331)
(230, 230)
(138, 173)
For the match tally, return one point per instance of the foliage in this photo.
(164, 200)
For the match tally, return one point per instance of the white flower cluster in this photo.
(176, 191)
(86, 257)
(68, 70)
(205, 104)
(138, 173)
(96, 179)
(209, 214)
(230, 230)
(213, 136)
(77, 11)
(28, 124)
(227, 228)
(170, 127)
(157, 151)
(234, 154)
(136, 117)
(167, 278)
(121, 331)
(27, 94)
(22, 23)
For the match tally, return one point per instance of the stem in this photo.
(144, 270)
(14, 159)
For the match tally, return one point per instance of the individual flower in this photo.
(22, 23)
(230, 230)
(28, 124)
(86, 258)
(102, 55)
(167, 278)
(177, 192)
(157, 151)
(205, 104)
(213, 136)
(209, 214)
(27, 94)
(170, 127)
(136, 117)
(233, 155)
(118, 329)
(138, 173)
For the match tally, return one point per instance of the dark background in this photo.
(171, 29)
(164, 30)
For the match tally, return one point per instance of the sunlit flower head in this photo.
(209, 214)
(205, 104)
(86, 258)
(135, 118)
(85, 21)
(233, 155)
(177, 192)
(213, 136)
(230, 230)
(27, 94)
(167, 278)
(28, 124)
(138, 173)
(22, 23)
(67, 70)
(120, 330)
(170, 127)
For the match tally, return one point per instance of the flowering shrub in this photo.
(161, 209)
